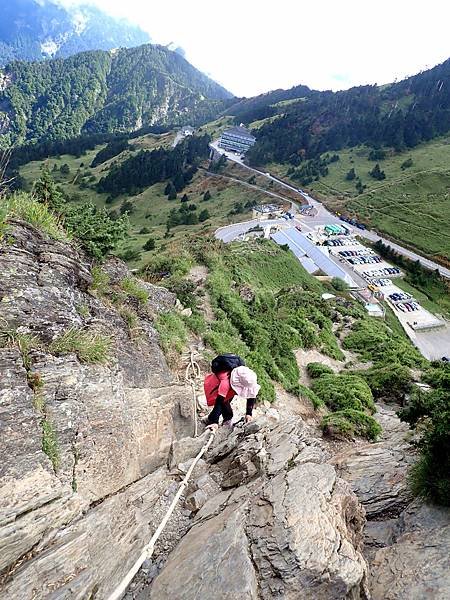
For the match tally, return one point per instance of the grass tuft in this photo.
(100, 281)
(50, 443)
(90, 347)
(23, 206)
(173, 334)
(131, 286)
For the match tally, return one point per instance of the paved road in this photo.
(325, 216)
(230, 232)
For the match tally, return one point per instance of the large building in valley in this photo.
(237, 139)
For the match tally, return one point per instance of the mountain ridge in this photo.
(31, 30)
(104, 92)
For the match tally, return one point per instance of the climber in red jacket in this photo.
(220, 389)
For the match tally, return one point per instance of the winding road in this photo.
(325, 216)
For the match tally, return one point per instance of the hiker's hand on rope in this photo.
(213, 427)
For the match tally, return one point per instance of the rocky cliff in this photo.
(71, 517)
(92, 448)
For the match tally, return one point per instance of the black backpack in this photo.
(226, 362)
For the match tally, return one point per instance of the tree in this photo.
(184, 198)
(377, 154)
(144, 230)
(339, 284)
(126, 207)
(65, 169)
(172, 194)
(149, 244)
(97, 232)
(406, 164)
(351, 175)
(46, 192)
(206, 196)
(204, 215)
(170, 188)
(192, 207)
(377, 173)
(178, 181)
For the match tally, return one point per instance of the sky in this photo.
(253, 46)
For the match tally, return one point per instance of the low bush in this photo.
(375, 342)
(391, 382)
(89, 346)
(350, 422)
(430, 477)
(316, 370)
(340, 392)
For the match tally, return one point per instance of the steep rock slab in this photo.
(378, 472)
(416, 564)
(296, 533)
(112, 424)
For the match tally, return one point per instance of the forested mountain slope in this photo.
(398, 115)
(103, 92)
(31, 30)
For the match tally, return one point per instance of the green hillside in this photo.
(149, 209)
(103, 92)
(411, 205)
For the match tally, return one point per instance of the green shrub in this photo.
(350, 422)
(184, 289)
(316, 370)
(374, 341)
(391, 382)
(131, 286)
(97, 232)
(430, 477)
(340, 392)
(25, 207)
(196, 323)
(90, 347)
(339, 284)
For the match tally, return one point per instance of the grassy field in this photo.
(411, 205)
(151, 208)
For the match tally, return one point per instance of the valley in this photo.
(134, 249)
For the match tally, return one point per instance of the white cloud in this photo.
(252, 46)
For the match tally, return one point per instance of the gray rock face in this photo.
(407, 543)
(416, 564)
(378, 472)
(288, 531)
(112, 425)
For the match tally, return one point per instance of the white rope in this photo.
(192, 374)
(147, 551)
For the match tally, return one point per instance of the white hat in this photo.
(244, 382)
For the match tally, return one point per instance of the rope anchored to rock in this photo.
(147, 551)
(192, 374)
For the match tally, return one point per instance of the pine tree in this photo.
(184, 198)
(149, 244)
(206, 196)
(204, 215)
(351, 175)
(46, 192)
